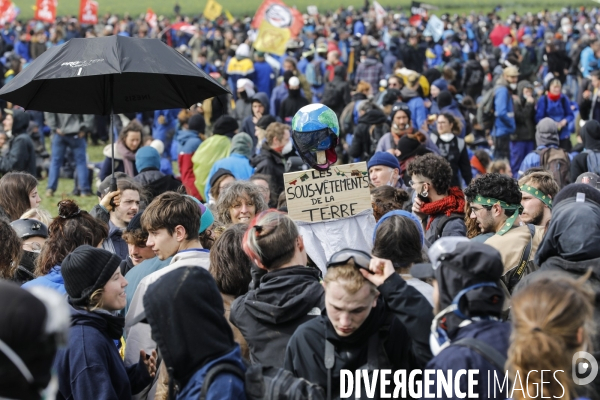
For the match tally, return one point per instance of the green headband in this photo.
(538, 194)
(489, 201)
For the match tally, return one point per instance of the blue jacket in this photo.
(22, 50)
(504, 124)
(279, 94)
(265, 78)
(160, 131)
(208, 68)
(115, 236)
(225, 386)
(52, 280)
(587, 57)
(188, 142)
(556, 110)
(90, 367)
(302, 65)
(238, 164)
(495, 334)
(418, 112)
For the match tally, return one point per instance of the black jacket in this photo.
(21, 151)
(472, 79)
(270, 162)
(590, 133)
(524, 115)
(364, 142)
(268, 316)
(459, 160)
(290, 106)
(156, 183)
(401, 320)
(337, 92)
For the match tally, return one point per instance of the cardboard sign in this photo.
(340, 192)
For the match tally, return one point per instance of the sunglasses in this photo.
(400, 107)
(361, 259)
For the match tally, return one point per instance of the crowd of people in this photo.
(191, 281)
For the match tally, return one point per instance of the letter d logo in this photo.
(581, 368)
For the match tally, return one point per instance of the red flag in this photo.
(8, 11)
(151, 18)
(88, 12)
(45, 10)
(278, 14)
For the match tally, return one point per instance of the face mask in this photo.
(243, 95)
(447, 137)
(513, 86)
(390, 181)
(287, 148)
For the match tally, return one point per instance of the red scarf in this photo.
(453, 203)
(553, 97)
(476, 163)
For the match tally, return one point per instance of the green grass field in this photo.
(249, 7)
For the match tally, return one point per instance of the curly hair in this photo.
(11, 250)
(496, 186)
(233, 193)
(136, 237)
(435, 168)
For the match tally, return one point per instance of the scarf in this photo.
(476, 163)
(553, 97)
(128, 158)
(114, 323)
(453, 203)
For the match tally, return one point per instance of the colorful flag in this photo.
(88, 12)
(151, 18)
(279, 15)
(213, 10)
(46, 10)
(380, 12)
(229, 17)
(8, 11)
(271, 39)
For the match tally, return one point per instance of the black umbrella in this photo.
(110, 75)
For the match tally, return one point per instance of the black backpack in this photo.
(266, 383)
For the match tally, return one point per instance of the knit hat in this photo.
(197, 123)
(546, 132)
(400, 106)
(147, 157)
(219, 173)
(247, 85)
(390, 97)
(444, 99)
(265, 121)
(383, 158)
(158, 145)
(408, 146)
(206, 216)
(242, 144)
(225, 125)
(440, 84)
(135, 223)
(86, 270)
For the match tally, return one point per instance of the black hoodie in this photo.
(365, 142)
(268, 316)
(590, 133)
(21, 153)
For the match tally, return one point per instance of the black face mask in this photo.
(294, 92)
(28, 260)
(243, 95)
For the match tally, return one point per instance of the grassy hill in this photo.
(248, 7)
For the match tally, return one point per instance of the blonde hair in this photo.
(95, 301)
(349, 277)
(38, 213)
(546, 317)
(363, 87)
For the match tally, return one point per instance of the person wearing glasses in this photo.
(452, 147)
(373, 320)
(468, 302)
(288, 294)
(34, 234)
(495, 202)
(439, 205)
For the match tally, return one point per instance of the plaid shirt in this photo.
(370, 71)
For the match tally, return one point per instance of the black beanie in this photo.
(225, 125)
(408, 147)
(444, 99)
(86, 270)
(135, 223)
(197, 123)
(571, 190)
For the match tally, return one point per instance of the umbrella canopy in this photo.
(114, 74)
(498, 33)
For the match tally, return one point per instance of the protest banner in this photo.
(435, 27)
(271, 39)
(151, 18)
(380, 12)
(340, 192)
(88, 12)
(45, 10)
(8, 11)
(212, 10)
(278, 14)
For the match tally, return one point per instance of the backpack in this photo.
(593, 161)
(347, 119)
(556, 161)
(486, 112)
(266, 383)
(476, 78)
(443, 220)
(314, 73)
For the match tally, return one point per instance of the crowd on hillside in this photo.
(191, 281)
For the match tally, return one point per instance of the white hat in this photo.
(243, 50)
(247, 85)
(158, 145)
(294, 82)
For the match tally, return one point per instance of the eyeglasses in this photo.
(412, 183)
(360, 258)
(476, 210)
(32, 246)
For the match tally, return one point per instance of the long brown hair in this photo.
(546, 317)
(14, 193)
(11, 250)
(72, 228)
